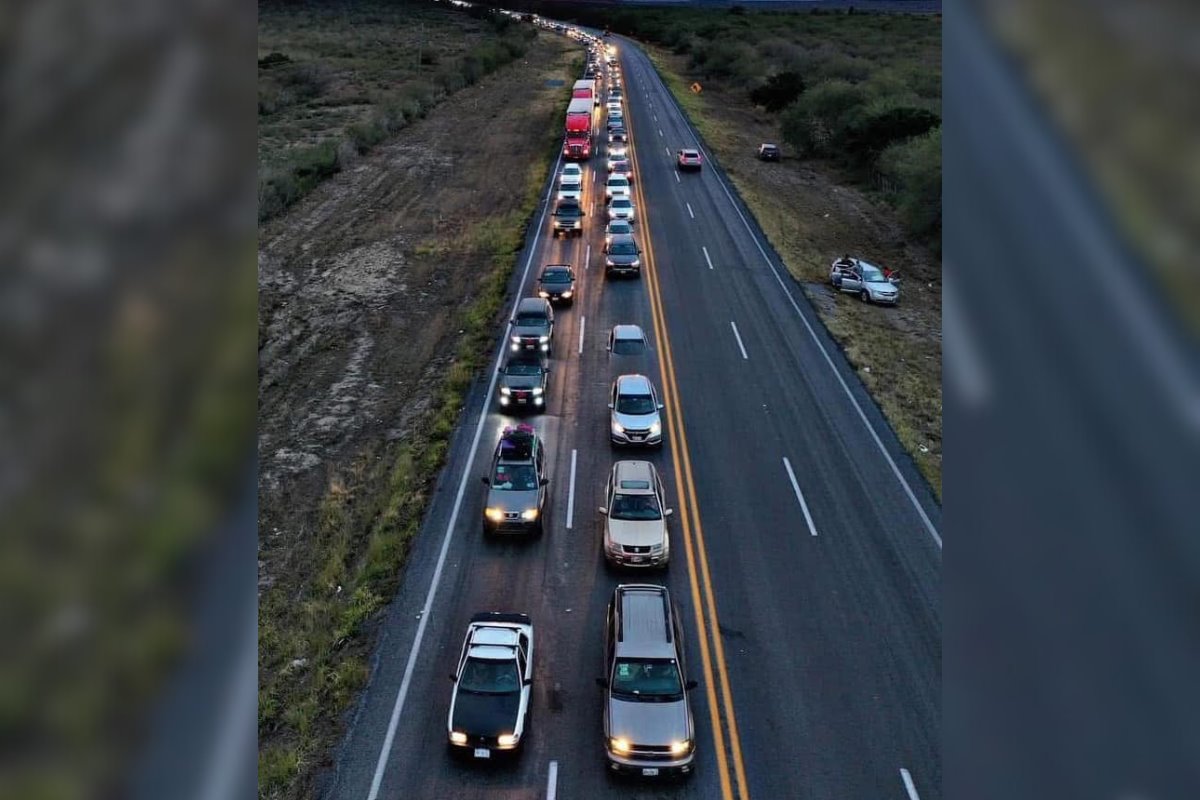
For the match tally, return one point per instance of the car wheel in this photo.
(865, 296)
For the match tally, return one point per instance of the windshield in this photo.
(635, 507)
(569, 210)
(871, 274)
(523, 368)
(556, 276)
(515, 478)
(628, 347)
(531, 320)
(482, 676)
(635, 404)
(623, 249)
(621, 202)
(647, 680)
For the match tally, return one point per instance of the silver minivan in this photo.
(648, 725)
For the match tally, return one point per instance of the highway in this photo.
(806, 548)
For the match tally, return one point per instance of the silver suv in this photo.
(648, 727)
(635, 528)
(635, 417)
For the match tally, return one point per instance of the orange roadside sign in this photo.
(696, 88)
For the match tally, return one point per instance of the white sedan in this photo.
(492, 686)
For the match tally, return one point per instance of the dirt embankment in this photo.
(367, 287)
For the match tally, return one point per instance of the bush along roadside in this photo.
(859, 91)
(313, 665)
(282, 184)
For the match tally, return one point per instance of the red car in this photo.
(688, 159)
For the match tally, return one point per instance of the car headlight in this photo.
(505, 390)
(608, 262)
(457, 737)
(515, 339)
(637, 262)
(677, 748)
(543, 339)
(538, 390)
(619, 745)
(494, 514)
(507, 739)
(655, 428)
(567, 293)
(543, 293)
(617, 427)
(529, 514)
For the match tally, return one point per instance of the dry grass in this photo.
(334, 551)
(811, 216)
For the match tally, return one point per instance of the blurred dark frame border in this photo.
(1072, 418)
(128, 308)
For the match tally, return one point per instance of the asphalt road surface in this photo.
(806, 549)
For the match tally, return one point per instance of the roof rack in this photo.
(662, 593)
(517, 443)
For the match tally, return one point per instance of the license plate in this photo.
(649, 772)
(483, 752)
(636, 559)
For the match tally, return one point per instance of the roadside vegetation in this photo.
(334, 80)
(333, 538)
(854, 102)
(859, 91)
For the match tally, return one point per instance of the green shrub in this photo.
(780, 91)
(914, 166)
(818, 120)
(870, 133)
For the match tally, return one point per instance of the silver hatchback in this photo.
(634, 417)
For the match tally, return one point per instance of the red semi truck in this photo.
(577, 145)
(586, 89)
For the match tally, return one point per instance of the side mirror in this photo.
(668, 512)
(610, 405)
(691, 685)
(486, 481)
(453, 678)
(603, 684)
(602, 510)
(661, 406)
(544, 482)
(528, 681)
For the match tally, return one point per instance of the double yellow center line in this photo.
(703, 596)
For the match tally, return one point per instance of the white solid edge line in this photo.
(738, 336)
(571, 493)
(705, 249)
(406, 681)
(799, 496)
(691, 213)
(582, 327)
(912, 497)
(552, 781)
(909, 786)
